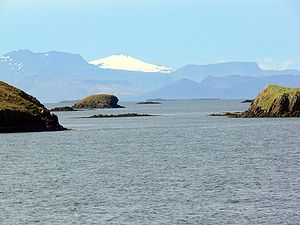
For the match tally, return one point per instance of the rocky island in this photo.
(63, 109)
(118, 115)
(98, 101)
(273, 101)
(20, 112)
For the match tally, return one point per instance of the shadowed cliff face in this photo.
(20, 112)
(275, 101)
(98, 101)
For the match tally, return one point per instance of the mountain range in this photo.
(56, 76)
(199, 72)
(226, 87)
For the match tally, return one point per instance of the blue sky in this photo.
(167, 32)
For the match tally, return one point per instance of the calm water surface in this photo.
(180, 167)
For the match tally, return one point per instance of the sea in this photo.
(180, 166)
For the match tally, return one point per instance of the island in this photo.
(273, 101)
(98, 101)
(21, 112)
(117, 115)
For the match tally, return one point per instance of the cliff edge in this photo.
(20, 112)
(275, 101)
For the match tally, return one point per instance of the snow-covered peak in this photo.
(124, 62)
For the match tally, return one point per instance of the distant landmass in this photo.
(199, 72)
(55, 76)
(227, 87)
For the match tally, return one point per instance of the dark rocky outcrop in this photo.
(247, 101)
(98, 101)
(20, 112)
(63, 109)
(118, 115)
(227, 114)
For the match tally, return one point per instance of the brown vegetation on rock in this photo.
(20, 112)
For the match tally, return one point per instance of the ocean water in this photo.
(179, 167)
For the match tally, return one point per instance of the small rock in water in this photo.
(63, 109)
(148, 103)
(247, 101)
(118, 115)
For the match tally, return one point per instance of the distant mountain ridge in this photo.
(199, 72)
(228, 87)
(27, 63)
(55, 76)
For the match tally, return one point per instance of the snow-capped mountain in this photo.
(54, 76)
(128, 63)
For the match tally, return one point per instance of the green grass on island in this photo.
(273, 92)
(98, 101)
(14, 99)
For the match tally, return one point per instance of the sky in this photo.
(165, 32)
